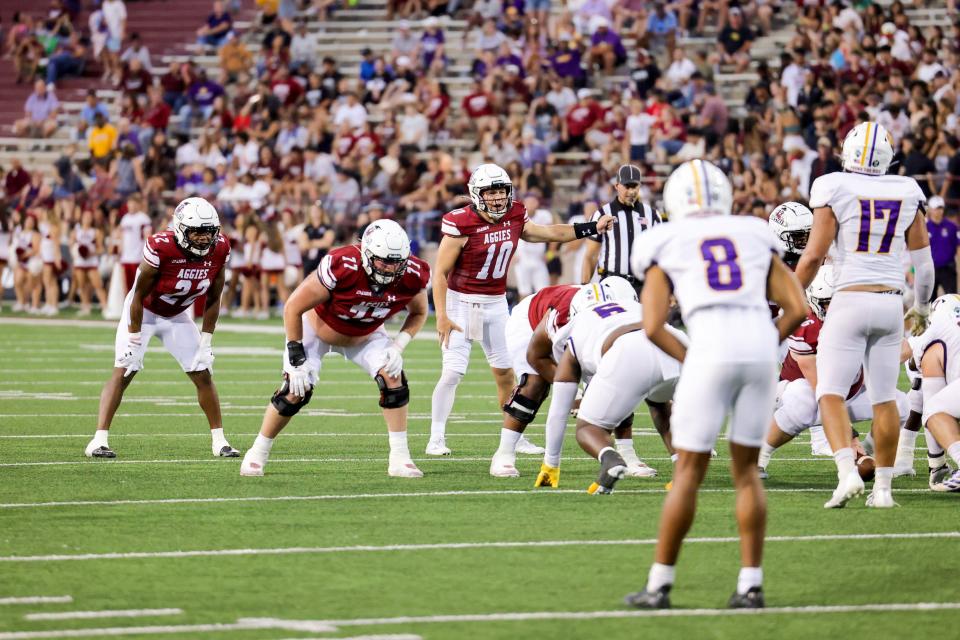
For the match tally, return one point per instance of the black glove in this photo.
(295, 352)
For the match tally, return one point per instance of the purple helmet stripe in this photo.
(873, 144)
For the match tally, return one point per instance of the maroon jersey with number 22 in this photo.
(485, 259)
(182, 279)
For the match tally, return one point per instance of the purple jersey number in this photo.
(871, 210)
(723, 270)
(608, 309)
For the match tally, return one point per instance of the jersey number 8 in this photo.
(723, 270)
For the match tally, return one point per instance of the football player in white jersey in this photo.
(870, 218)
(723, 270)
(938, 352)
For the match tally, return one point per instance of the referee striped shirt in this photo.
(616, 243)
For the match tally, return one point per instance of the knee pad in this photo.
(283, 406)
(393, 398)
(521, 407)
(627, 422)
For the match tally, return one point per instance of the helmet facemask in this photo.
(379, 277)
(795, 240)
(819, 305)
(188, 242)
(502, 204)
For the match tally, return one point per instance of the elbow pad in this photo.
(923, 281)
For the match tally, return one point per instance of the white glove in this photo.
(393, 356)
(920, 316)
(298, 376)
(203, 358)
(132, 357)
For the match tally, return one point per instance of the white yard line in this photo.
(89, 615)
(133, 631)
(37, 600)
(276, 551)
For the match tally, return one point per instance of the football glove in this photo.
(132, 357)
(393, 356)
(298, 376)
(920, 317)
(203, 358)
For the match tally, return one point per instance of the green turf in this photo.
(334, 457)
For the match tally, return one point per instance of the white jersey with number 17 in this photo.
(873, 214)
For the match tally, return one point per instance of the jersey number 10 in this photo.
(871, 210)
(503, 260)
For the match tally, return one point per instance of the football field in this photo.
(167, 541)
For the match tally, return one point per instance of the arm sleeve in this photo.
(923, 281)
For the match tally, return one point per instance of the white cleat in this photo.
(639, 469)
(903, 470)
(848, 488)
(881, 499)
(503, 465)
(403, 468)
(526, 447)
(438, 447)
(823, 450)
(252, 468)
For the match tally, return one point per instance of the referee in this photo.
(609, 253)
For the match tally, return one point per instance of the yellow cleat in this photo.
(668, 486)
(548, 476)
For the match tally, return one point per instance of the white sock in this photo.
(883, 479)
(935, 462)
(954, 452)
(260, 449)
(766, 452)
(564, 394)
(442, 405)
(845, 462)
(218, 439)
(749, 577)
(660, 575)
(508, 441)
(908, 440)
(625, 444)
(398, 444)
(817, 437)
(100, 438)
(934, 450)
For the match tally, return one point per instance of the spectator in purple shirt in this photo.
(41, 111)
(200, 96)
(218, 25)
(944, 245)
(507, 57)
(566, 62)
(532, 151)
(606, 49)
(431, 45)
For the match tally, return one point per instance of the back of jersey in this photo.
(873, 214)
(713, 261)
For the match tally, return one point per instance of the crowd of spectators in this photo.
(281, 131)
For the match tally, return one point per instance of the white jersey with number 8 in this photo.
(873, 214)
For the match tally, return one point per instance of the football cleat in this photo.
(612, 468)
(752, 599)
(848, 488)
(903, 470)
(548, 476)
(947, 484)
(438, 447)
(526, 447)
(226, 452)
(636, 468)
(403, 468)
(821, 450)
(762, 472)
(251, 468)
(659, 599)
(881, 499)
(503, 465)
(99, 452)
(938, 475)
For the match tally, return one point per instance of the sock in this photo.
(604, 451)
(934, 450)
(508, 441)
(261, 448)
(661, 575)
(625, 444)
(217, 438)
(398, 444)
(564, 394)
(908, 440)
(954, 452)
(883, 479)
(443, 396)
(749, 578)
(817, 437)
(100, 438)
(766, 452)
(845, 462)
(935, 462)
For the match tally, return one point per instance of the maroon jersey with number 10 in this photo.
(182, 279)
(353, 308)
(485, 259)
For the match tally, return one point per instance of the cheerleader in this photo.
(238, 261)
(26, 277)
(292, 228)
(86, 247)
(6, 237)
(250, 291)
(272, 264)
(51, 233)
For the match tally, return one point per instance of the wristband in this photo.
(584, 229)
(206, 340)
(295, 353)
(402, 340)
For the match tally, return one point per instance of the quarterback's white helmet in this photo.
(620, 289)
(946, 306)
(195, 215)
(384, 241)
(697, 186)
(484, 178)
(791, 223)
(821, 289)
(868, 148)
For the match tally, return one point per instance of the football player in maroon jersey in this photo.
(341, 308)
(469, 291)
(178, 267)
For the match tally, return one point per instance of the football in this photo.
(867, 467)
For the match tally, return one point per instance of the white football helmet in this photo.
(868, 148)
(195, 215)
(484, 178)
(620, 289)
(697, 187)
(591, 294)
(820, 291)
(384, 241)
(791, 223)
(946, 306)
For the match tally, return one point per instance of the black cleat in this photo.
(752, 599)
(659, 599)
(762, 472)
(102, 452)
(612, 468)
(228, 452)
